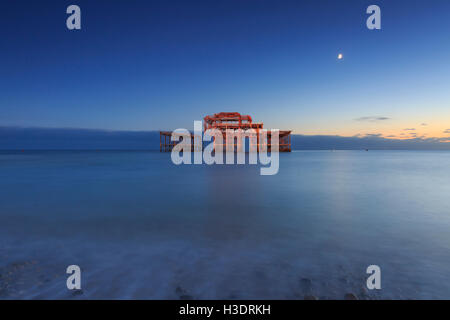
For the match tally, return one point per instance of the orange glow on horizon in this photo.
(399, 131)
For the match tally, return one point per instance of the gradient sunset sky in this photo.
(150, 65)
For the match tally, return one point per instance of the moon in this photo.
(340, 56)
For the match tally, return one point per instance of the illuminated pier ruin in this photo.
(229, 120)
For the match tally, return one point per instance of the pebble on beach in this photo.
(350, 296)
(183, 294)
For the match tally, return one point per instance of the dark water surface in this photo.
(141, 227)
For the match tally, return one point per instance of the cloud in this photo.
(424, 124)
(373, 135)
(447, 131)
(409, 129)
(372, 119)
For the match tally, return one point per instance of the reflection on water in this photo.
(141, 227)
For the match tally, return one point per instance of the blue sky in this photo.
(149, 65)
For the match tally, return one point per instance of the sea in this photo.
(140, 227)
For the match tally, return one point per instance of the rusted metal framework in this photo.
(166, 143)
(229, 120)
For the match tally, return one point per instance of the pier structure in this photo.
(166, 143)
(229, 120)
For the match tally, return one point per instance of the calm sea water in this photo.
(141, 227)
